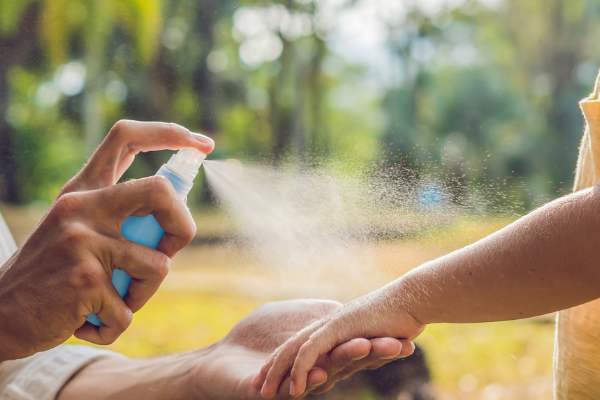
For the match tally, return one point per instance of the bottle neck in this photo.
(182, 186)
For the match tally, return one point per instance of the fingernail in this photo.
(202, 138)
(387, 357)
(356, 358)
(293, 389)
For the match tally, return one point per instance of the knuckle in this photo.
(81, 310)
(173, 127)
(67, 204)
(87, 277)
(75, 235)
(125, 321)
(161, 193)
(123, 135)
(119, 128)
(119, 326)
(71, 186)
(161, 187)
(189, 232)
(162, 264)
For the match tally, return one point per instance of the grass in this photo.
(211, 287)
(492, 361)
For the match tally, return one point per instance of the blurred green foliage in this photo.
(468, 90)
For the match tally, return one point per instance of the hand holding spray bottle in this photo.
(181, 170)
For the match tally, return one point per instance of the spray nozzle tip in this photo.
(191, 156)
(186, 163)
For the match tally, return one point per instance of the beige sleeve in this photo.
(41, 376)
(576, 349)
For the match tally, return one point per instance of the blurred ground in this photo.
(213, 285)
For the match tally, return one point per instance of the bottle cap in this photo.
(186, 163)
(182, 168)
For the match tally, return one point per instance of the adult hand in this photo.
(232, 364)
(376, 315)
(224, 370)
(63, 271)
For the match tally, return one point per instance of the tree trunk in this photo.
(13, 51)
(93, 109)
(202, 79)
(9, 188)
(318, 139)
(281, 114)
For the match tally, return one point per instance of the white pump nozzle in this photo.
(182, 168)
(192, 156)
(186, 163)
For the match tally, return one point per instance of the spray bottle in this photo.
(181, 170)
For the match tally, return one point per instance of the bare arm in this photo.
(117, 378)
(544, 262)
(224, 370)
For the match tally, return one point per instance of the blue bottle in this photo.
(181, 170)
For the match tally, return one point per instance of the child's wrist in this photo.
(410, 302)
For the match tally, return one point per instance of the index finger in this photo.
(308, 354)
(128, 138)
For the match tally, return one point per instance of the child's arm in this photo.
(544, 262)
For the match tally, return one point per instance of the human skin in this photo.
(224, 370)
(544, 262)
(62, 272)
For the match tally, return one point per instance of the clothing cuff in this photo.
(45, 373)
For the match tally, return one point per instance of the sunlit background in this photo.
(463, 93)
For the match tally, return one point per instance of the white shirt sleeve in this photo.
(42, 376)
(7, 243)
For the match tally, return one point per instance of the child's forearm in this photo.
(546, 261)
